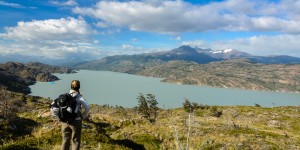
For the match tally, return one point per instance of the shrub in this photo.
(191, 107)
(215, 111)
(257, 105)
(148, 107)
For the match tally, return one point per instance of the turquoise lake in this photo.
(103, 87)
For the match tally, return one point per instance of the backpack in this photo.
(64, 107)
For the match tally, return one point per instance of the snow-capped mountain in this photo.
(225, 53)
(182, 53)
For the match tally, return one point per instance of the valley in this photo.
(26, 122)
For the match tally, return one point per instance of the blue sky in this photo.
(92, 29)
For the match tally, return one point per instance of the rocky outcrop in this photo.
(17, 76)
(45, 77)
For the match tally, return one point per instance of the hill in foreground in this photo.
(238, 127)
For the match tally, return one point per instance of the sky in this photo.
(92, 29)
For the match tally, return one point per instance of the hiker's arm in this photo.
(86, 108)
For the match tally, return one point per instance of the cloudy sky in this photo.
(92, 29)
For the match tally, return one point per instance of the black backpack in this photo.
(65, 106)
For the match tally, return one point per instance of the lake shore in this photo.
(103, 87)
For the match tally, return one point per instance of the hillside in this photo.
(17, 76)
(237, 73)
(239, 127)
(125, 63)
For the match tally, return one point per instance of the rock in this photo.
(273, 123)
(208, 141)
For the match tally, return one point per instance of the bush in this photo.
(191, 107)
(216, 112)
(257, 105)
(148, 107)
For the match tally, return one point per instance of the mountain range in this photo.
(227, 68)
(185, 53)
(42, 59)
(138, 62)
(232, 54)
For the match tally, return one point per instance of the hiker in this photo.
(71, 115)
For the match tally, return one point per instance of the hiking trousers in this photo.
(71, 133)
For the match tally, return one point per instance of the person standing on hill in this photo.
(71, 130)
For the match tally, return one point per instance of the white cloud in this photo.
(15, 5)
(53, 38)
(64, 3)
(195, 43)
(179, 16)
(96, 42)
(51, 29)
(131, 49)
(52, 49)
(127, 46)
(256, 45)
(101, 25)
(276, 24)
(178, 38)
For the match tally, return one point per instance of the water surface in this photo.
(102, 87)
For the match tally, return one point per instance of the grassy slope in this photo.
(245, 127)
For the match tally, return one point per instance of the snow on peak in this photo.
(216, 51)
(222, 51)
(227, 50)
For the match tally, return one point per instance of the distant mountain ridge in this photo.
(277, 59)
(184, 53)
(42, 59)
(137, 62)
